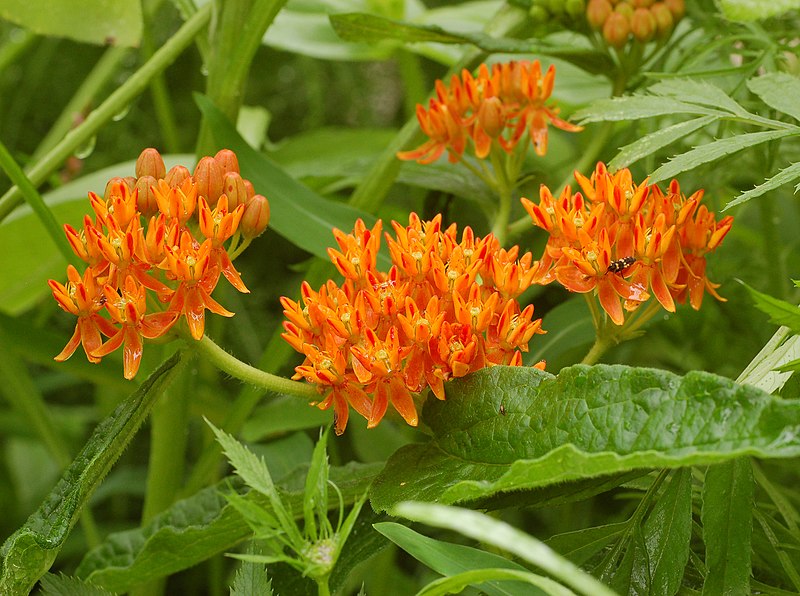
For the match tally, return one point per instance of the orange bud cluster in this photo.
(495, 108)
(445, 308)
(623, 241)
(155, 232)
(642, 20)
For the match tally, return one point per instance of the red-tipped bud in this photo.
(255, 218)
(643, 25)
(146, 201)
(597, 12)
(233, 185)
(677, 8)
(251, 190)
(150, 164)
(130, 181)
(227, 161)
(111, 186)
(208, 180)
(176, 176)
(616, 30)
(664, 20)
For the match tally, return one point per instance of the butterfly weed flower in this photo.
(447, 306)
(159, 238)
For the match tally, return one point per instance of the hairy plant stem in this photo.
(113, 105)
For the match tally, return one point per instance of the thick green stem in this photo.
(112, 106)
(249, 374)
(609, 335)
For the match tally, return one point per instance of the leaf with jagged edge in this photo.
(785, 176)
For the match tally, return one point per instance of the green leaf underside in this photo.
(29, 552)
(637, 107)
(115, 22)
(756, 10)
(727, 527)
(780, 312)
(779, 90)
(451, 559)
(297, 213)
(786, 175)
(194, 529)
(587, 422)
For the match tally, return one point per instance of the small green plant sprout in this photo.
(312, 549)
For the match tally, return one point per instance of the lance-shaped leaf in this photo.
(29, 552)
(586, 422)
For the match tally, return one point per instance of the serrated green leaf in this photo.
(716, 150)
(111, 22)
(786, 175)
(315, 497)
(247, 464)
(727, 527)
(479, 526)
(756, 10)
(29, 552)
(636, 107)
(779, 311)
(650, 143)
(194, 529)
(588, 421)
(697, 92)
(65, 585)
(251, 579)
(779, 90)
(448, 559)
(297, 213)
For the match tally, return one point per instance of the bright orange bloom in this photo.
(445, 308)
(624, 241)
(129, 255)
(498, 107)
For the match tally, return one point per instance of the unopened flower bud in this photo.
(575, 8)
(677, 8)
(176, 176)
(255, 218)
(146, 201)
(208, 179)
(251, 190)
(616, 30)
(227, 161)
(538, 14)
(150, 163)
(664, 20)
(597, 12)
(130, 181)
(234, 187)
(491, 117)
(643, 25)
(624, 8)
(642, 3)
(112, 186)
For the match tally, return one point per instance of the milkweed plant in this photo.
(280, 299)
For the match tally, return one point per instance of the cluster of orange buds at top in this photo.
(625, 241)
(165, 234)
(495, 108)
(445, 307)
(642, 20)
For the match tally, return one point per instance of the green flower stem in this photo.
(608, 335)
(322, 586)
(34, 199)
(113, 105)
(249, 374)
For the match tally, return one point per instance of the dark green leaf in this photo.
(697, 92)
(64, 585)
(29, 552)
(568, 326)
(588, 421)
(113, 22)
(716, 150)
(297, 213)
(779, 90)
(636, 107)
(785, 176)
(251, 579)
(450, 559)
(581, 545)
(727, 527)
(780, 312)
(280, 415)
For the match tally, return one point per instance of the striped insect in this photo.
(620, 265)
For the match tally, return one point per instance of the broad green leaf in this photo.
(297, 213)
(586, 422)
(667, 533)
(716, 150)
(194, 529)
(445, 178)
(111, 22)
(636, 107)
(581, 545)
(780, 312)
(785, 176)
(282, 414)
(479, 526)
(65, 585)
(697, 92)
(457, 583)
(727, 526)
(650, 143)
(568, 325)
(29, 552)
(756, 10)
(779, 90)
(451, 559)
(251, 579)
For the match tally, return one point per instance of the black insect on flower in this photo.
(620, 264)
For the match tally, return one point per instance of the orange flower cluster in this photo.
(499, 106)
(624, 241)
(445, 308)
(178, 254)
